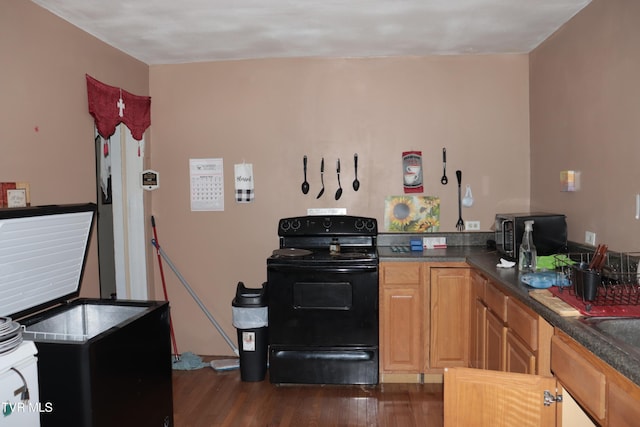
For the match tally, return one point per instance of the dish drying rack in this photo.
(615, 281)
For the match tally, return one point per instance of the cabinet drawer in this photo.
(623, 410)
(576, 373)
(523, 323)
(477, 285)
(496, 301)
(401, 273)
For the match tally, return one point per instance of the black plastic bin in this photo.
(250, 317)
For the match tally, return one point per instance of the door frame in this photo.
(127, 237)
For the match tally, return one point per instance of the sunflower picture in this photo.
(417, 214)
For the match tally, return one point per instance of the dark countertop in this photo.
(627, 363)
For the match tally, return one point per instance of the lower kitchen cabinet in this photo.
(610, 398)
(495, 334)
(622, 401)
(538, 363)
(477, 342)
(450, 290)
(519, 357)
(515, 338)
(424, 319)
(528, 340)
(495, 339)
(482, 398)
(576, 371)
(401, 321)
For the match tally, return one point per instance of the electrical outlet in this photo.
(472, 225)
(590, 238)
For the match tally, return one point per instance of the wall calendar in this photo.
(207, 184)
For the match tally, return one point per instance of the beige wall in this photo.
(585, 116)
(272, 112)
(46, 132)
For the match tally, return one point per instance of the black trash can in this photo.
(250, 317)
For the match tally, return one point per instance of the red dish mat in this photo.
(595, 310)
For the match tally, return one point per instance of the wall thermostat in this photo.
(150, 179)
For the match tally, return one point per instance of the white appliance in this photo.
(19, 397)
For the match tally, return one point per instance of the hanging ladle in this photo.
(339, 191)
(356, 183)
(321, 179)
(305, 184)
(444, 178)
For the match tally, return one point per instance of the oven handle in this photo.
(329, 269)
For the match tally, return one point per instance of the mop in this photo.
(190, 360)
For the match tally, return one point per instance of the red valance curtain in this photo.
(111, 106)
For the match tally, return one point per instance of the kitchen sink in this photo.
(621, 331)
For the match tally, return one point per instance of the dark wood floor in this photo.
(205, 397)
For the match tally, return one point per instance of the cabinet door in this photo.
(450, 295)
(479, 398)
(401, 330)
(477, 341)
(401, 305)
(519, 357)
(495, 343)
(479, 336)
(623, 408)
(576, 369)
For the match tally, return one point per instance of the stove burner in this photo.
(291, 253)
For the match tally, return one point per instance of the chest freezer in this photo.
(101, 362)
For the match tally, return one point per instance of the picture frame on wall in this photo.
(17, 198)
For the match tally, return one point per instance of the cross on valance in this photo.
(111, 106)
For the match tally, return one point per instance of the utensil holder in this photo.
(586, 283)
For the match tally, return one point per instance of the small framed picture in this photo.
(17, 198)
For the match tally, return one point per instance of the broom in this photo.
(218, 365)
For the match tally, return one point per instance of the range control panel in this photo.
(339, 225)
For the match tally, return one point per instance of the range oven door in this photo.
(323, 306)
(323, 324)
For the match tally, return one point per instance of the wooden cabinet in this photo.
(481, 398)
(495, 328)
(401, 320)
(519, 357)
(477, 342)
(537, 363)
(516, 339)
(495, 339)
(424, 319)
(528, 344)
(609, 397)
(622, 401)
(450, 292)
(576, 371)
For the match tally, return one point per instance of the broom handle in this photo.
(164, 288)
(197, 300)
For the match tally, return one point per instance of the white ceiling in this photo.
(171, 31)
